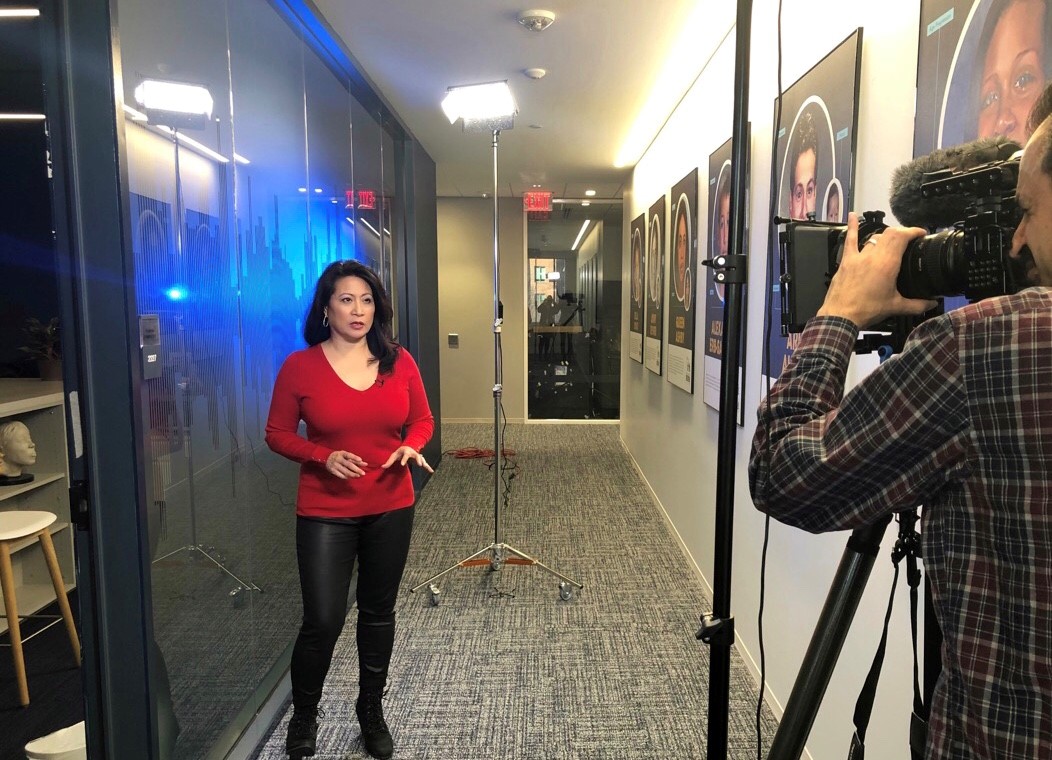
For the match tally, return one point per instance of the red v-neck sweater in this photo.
(367, 423)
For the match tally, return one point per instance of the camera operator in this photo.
(961, 422)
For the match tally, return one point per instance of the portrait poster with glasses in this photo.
(635, 305)
(682, 291)
(814, 168)
(655, 286)
(718, 239)
(985, 63)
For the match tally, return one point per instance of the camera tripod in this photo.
(834, 622)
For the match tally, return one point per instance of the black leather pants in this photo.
(326, 552)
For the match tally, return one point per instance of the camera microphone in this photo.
(915, 208)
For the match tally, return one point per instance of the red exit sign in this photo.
(537, 200)
(365, 199)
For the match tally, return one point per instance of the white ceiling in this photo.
(603, 58)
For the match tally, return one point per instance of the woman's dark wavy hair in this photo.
(379, 339)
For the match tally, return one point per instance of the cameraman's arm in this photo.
(822, 461)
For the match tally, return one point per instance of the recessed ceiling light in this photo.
(589, 193)
(586, 203)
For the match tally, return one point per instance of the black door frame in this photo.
(101, 379)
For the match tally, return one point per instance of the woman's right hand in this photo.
(344, 464)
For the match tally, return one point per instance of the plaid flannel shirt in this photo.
(961, 422)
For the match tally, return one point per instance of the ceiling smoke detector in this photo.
(536, 20)
(535, 73)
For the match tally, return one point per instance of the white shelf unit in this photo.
(39, 404)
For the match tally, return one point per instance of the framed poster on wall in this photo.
(655, 286)
(718, 240)
(816, 123)
(682, 282)
(984, 62)
(635, 304)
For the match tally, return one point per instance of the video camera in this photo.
(974, 201)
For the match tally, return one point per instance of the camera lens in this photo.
(934, 266)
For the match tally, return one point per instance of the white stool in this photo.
(64, 744)
(14, 526)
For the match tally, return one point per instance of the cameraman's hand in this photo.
(863, 289)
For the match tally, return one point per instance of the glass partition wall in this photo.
(233, 217)
(574, 299)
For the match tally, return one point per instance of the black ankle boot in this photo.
(303, 733)
(375, 735)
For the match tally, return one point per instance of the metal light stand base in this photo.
(498, 551)
(194, 548)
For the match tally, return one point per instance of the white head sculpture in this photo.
(17, 449)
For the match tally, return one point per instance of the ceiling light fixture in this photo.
(19, 12)
(536, 20)
(589, 193)
(580, 235)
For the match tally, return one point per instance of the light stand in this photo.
(717, 627)
(498, 553)
(194, 548)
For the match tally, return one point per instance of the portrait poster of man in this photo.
(719, 208)
(635, 303)
(985, 63)
(682, 292)
(655, 286)
(814, 160)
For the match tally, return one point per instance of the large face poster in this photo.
(719, 208)
(681, 291)
(655, 286)
(985, 62)
(635, 304)
(814, 162)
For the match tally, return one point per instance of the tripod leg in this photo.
(462, 563)
(828, 639)
(526, 559)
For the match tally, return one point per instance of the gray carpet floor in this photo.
(502, 666)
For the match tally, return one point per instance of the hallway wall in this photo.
(672, 435)
(465, 307)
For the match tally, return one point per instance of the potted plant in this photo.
(42, 343)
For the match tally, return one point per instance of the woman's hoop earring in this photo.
(325, 321)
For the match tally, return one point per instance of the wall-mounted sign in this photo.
(537, 200)
(365, 199)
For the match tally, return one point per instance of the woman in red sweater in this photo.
(356, 390)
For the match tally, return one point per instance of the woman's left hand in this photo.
(407, 453)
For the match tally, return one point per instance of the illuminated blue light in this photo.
(176, 293)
